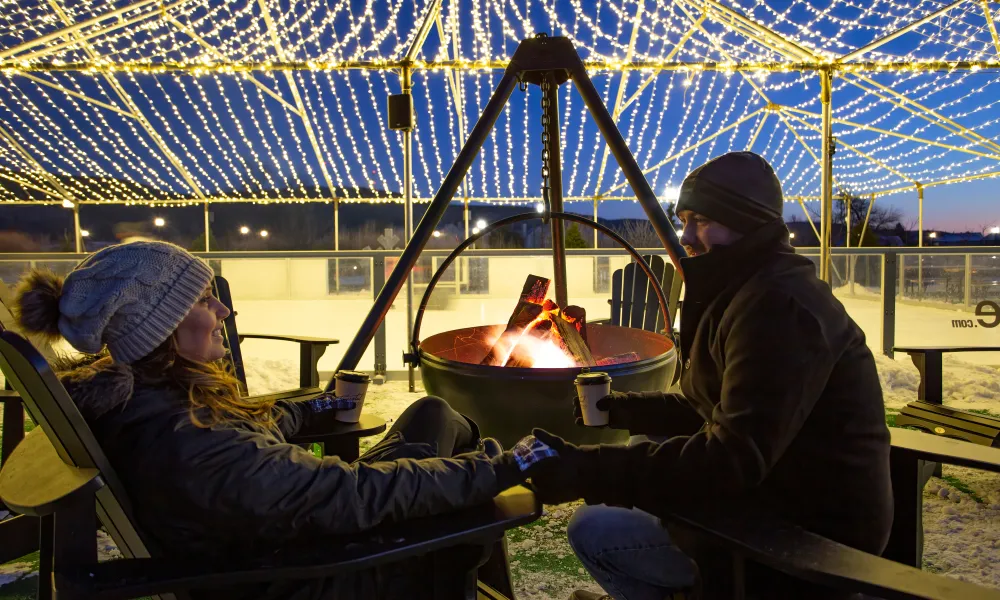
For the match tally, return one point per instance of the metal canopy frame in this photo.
(552, 61)
(33, 57)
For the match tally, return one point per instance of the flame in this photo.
(546, 354)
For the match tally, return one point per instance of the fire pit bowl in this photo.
(507, 402)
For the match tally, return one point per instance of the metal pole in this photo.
(595, 220)
(633, 173)
(920, 242)
(432, 216)
(848, 204)
(556, 191)
(408, 213)
(76, 227)
(826, 183)
(967, 296)
(336, 224)
(208, 231)
(920, 216)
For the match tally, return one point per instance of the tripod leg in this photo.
(436, 209)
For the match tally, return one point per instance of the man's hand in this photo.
(604, 403)
(559, 478)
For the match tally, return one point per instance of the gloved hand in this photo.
(507, 470)
(566, 476)
(626, 410)
(329, 401)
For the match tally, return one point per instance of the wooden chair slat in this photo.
(651, 313)
(617, 284)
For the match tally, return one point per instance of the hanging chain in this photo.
(546, 188)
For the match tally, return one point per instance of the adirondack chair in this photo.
(60, 474)
(633, 302)
(342, 439)
(311, 349)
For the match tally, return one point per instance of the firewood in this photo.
(617, 359)
(573, 342)
(534, 290)
(577, 315)
(527, 312)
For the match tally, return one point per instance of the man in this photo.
(781, 406)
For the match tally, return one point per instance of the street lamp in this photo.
(932, 235)
(263, 233)
(994, 230)
(244, 230)
(791, 235)
(480, 224)
(436, 233)
(475, 230)
(84, 233)
(159, 222)
(539, 208)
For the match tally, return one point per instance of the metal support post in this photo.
(336, 224)
(408, 213)
(826, 183)
(77, 232)
(432, 216)
(920, 241)
(888, 299)
(967, 295)
(381, 360)
(556, 189)
(595, 220)
(208, 229)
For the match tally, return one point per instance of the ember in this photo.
(541, 334)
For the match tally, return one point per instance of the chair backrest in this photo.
(231, 337)
(633, 299)
(51, 407)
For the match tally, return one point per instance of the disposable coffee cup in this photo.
(351, 385)
(591, 387)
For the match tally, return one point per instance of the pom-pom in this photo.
(36, 303)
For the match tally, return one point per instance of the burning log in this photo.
(618, 359)
(529, 307)
(577, 315)
(574, 342)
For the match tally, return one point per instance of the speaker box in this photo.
(400, 112)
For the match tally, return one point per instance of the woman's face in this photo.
(199, 336)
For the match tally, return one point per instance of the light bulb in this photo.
(84, 233)
(159, 222)
(263, 233)
(244, 230)
(480, 224)
(436, 233)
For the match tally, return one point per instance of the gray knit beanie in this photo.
(737, 189)
(130, 297)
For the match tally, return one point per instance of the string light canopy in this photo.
(193, 102)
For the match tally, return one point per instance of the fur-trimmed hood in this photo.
(97, 384)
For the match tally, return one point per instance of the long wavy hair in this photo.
(212, 388)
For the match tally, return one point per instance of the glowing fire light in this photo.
(544, 353)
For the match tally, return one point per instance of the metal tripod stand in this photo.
(547, 62)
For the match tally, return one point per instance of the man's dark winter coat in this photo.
(231, 491)
(781, 407)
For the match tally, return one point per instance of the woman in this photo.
(210, 474)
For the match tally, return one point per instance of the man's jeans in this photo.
(628, 552)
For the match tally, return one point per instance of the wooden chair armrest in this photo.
(5, 394)
(810, 557)
(301, 339)
(295, 395)
(34, 480)
(926, 349)
(945, 450)
(481, 525)
(311, 349)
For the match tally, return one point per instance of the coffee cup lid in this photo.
(353, 376)
(592, 378)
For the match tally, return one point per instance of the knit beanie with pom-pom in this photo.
(128, 297)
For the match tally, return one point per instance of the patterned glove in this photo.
(329, 401)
